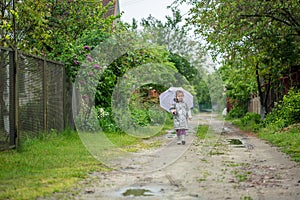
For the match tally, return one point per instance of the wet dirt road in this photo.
(226, 164)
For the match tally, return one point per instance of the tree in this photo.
(119, 67)
(62, 30)
(56, 29)
(262, 37)
(175, 34)
(186, 52)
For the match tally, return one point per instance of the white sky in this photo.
(139, 9)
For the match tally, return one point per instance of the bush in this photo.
(251, 121)
(236, 112)
(251, 117)
(106, 120)
(140, 117)
(286, 112)
(87, 120)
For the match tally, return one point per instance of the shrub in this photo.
(251, 117)
(106, 120)
(251, 121)
(286, 112)
(140, 117)
(235, 112)
(87, 121)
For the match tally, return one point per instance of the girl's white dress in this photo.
(183, 113)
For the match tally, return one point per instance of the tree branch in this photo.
(269, 16)
(290, 16)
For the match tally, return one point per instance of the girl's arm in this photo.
(189, 112)
(173, 109)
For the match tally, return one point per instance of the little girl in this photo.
(181, 113)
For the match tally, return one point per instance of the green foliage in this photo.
(258, 41)
(106, 121)
(186, 52)
(202, 131)
(235, 112)
(146, 114)
(174, 34)
(288, 140)
(247, 27)
(126, 62)
(97, 81)
(140, 117)
(156, 115)
(57, 25)
(6, 23)
(57, 29)
(184, 66)
(285, 112)
(87, 121)
(251, 121)
(215, 87)
(280, 127)
(130, 65)
(251, 117)
(239, 83)
(202, 94)
(53, 162)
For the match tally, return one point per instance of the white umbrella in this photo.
(167, 98)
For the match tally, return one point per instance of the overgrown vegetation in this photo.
(258, 44)
(285, 112)
(250, 121)
(287, 139)
(56, 162)
(202, 131)
(280, 127)
(50, 163)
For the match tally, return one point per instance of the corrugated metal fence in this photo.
(32, 96)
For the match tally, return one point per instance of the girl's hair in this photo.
(178, 92)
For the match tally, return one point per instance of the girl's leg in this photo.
(183, 133)
(178, 133)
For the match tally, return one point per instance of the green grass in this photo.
(205, 174)
(202, 131)
(130, 143)
(122, 139)
(133, 144)
(288, 141)
(241, 176)
(56, 163)
(41, 166)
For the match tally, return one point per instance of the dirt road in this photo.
(227, 164)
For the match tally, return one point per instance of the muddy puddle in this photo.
(237, 143)
(140, 191)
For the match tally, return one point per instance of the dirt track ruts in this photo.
(211, 168)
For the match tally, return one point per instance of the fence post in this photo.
(13, 97)
(45, 95)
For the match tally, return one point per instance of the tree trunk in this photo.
(263, 98)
